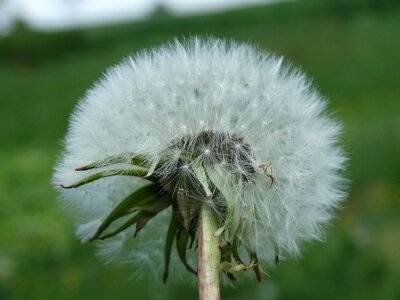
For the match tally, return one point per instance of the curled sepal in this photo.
(154, 204)
(171, 234)
(201, 177)
(226, 257)
(229, 252)
(140, 198)
(182, 240)
(229, 267)
(134, 171)
(187, 209)
(153, 167)
(123, 158)
(127, 224)
(235, 250)
(225, 186)
(253, 257)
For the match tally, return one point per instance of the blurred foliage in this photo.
(351, 48)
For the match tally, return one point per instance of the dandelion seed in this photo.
(236, 146)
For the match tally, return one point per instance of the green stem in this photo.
(209, 256)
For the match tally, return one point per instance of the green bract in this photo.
(184, 194)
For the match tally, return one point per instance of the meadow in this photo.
(350, 49)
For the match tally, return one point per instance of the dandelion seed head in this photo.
(229, 107)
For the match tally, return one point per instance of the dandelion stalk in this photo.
(209, 255)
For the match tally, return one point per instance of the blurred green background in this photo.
(351, 50)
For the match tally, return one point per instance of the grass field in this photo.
(350, 50)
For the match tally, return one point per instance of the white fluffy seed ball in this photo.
(184, 89)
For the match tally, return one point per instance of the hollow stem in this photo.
(209, 256)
